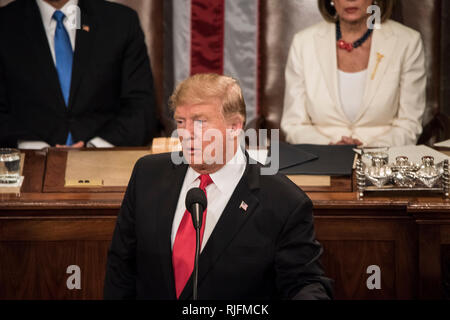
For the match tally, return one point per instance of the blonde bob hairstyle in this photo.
(329, 12)
(212, 88)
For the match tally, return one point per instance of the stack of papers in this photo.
(443, 144)
(415, 153)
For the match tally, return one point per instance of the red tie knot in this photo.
(205, 180)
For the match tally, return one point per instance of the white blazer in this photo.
(394, 99)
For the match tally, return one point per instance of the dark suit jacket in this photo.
(111, 91)
(266, 252)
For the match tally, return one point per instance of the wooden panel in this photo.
(434, 258)
(357, 228)
(37, 251)
(33, 204)
(406, 258)
(33, 171)
(58, 229)
(445, 249)
(37, 270)
(55, 170)
(445, 232)
(430, 283)
(347, 261)
(351, 244)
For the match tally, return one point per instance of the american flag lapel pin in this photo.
(243, 206)
(86, 28)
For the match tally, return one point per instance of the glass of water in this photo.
(9, 166)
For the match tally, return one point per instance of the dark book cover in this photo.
(329, 160)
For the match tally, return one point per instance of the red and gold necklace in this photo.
(350, 46)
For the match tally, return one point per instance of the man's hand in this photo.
(347, 141)
(77, 145)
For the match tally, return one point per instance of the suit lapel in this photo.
(165, 214)
(325, 44)
(383, 43)
(45, 66)
(83, 46)
(230, 223)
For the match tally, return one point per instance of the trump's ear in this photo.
(235, 122)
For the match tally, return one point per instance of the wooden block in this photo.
(101, 168)
(84, 183)
(165, 145)
(311, 181)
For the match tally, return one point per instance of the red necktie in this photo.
(183, 252)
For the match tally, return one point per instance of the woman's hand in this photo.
(348, 141)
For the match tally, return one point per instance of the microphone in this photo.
(196, 204)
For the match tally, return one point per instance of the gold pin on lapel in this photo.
(379, 58)
(86, 28)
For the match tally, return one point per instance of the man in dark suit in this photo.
(63, 85)
(257, 234)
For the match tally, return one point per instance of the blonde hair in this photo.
(210, 88)
(329, 12)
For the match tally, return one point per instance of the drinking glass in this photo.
(9, 166)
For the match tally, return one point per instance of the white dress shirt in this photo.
(351, 91)
(218, 193)
(47, 11)
(49, 23)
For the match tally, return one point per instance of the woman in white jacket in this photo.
(348, 83)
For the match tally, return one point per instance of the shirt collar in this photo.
(227, 173)
(47, 10)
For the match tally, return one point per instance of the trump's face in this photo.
(207, 137)
(352, 11)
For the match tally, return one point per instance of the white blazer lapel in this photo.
(381, 53)
(325, 48)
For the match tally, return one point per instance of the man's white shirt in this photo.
(218, 193)
(47, 12)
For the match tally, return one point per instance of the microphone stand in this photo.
(197, 250)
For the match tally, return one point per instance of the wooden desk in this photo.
(42, 233)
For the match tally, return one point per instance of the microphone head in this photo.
(196, 195)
